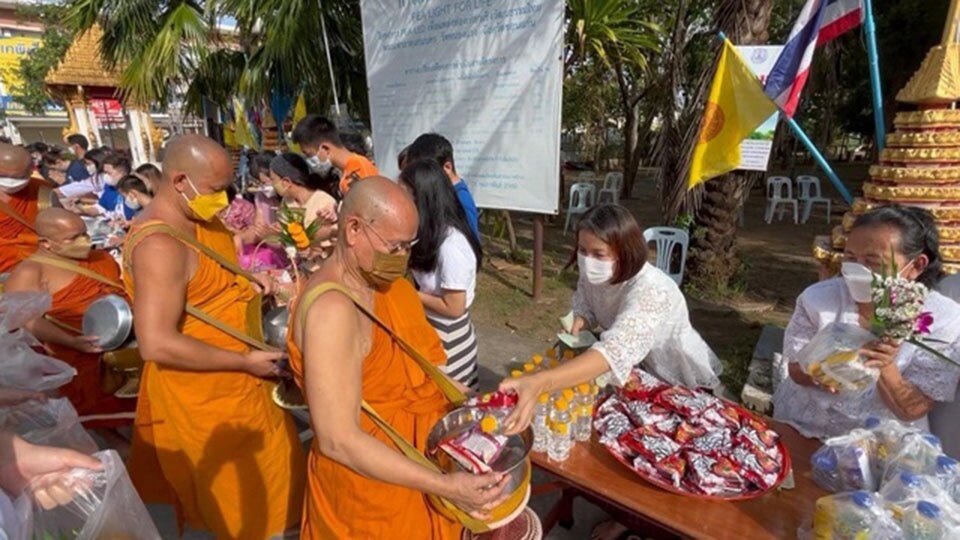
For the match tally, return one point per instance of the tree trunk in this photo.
(713, 260)
(631, 148)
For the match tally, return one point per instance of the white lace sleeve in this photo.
(582, 309)
(935, 377)
(800, 330)
(633, 333)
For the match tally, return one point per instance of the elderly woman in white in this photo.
(911, 379)
(641, 310)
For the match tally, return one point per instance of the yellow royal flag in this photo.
(735, 108)
(299, 113)
(244, 135)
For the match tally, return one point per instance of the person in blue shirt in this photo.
(112, 204)
(78, 170)
(434, 147)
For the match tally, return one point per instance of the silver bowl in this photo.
(110, 319)
(275, 324)
(513, 460)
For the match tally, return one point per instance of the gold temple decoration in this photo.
(920, 165)
(937, 82)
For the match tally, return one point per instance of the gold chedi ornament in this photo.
(920, 165)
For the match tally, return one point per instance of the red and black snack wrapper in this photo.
(715, 442)
(648, 442)
(672, 469)
(642, 386)
(493, 400)
(756, 466)
(685, 401)
(712, 475)
(643, 413)
(688, 431)
(722, 416)
(764, 442)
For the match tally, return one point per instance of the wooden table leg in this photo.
(561, 512)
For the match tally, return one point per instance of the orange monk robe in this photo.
(212, 443)
(341, 503)
(69, 305)
(356, 168)
(17, 240)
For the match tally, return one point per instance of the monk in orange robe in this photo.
(19, 193)
(207, 437)
(360, 485)
(63, 237)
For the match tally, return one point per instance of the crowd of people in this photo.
(195, 252)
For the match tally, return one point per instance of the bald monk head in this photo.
(62, 233)
(378, 222)
(16, 165)
(196, 173)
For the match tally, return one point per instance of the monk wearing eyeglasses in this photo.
(360, 485)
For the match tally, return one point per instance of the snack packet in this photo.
(844, 463)
(474, 449)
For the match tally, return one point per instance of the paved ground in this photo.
(500, 349)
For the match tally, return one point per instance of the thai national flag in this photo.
(820, 21)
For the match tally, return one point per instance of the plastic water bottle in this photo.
(923, 521)
(582, 427)
(558, 448)
(541, 429)
(552, 353)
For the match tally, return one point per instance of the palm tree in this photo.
(277, 48)
(616, 34)
(713, 261)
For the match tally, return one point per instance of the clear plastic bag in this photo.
(832, 358)
(948, 476)
(89, 505)
(888, 437)
(51, 423)
(907, 488)
(845, 463)
(917, 454)
(853, 515)
(22, 367)
(928, 520)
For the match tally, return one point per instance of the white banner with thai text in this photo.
(487, 75)
(755, 150)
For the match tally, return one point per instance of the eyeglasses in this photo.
(395, 247)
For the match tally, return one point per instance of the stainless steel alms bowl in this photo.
(512, 461)
(275, 324)
(110, 319)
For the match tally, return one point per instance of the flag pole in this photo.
(818, 157)
(871, 35)
(801, 135)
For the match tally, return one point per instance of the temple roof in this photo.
(82, 65)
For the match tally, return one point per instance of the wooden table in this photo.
(591, 472)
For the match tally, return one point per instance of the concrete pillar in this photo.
(135, 136)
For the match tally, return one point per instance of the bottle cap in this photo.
(583, 388)
(872, 422)
(946, 463)
(862, 499)
(928, 510)
(554, 363)
(537, 359)
(562, 404)
(516, 373)
(910, 479)
(544, 398)
(528, 367)
(489, 423)
(568, 394)
(552, 352)
(568, 354)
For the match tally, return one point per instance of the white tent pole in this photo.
(326, 47)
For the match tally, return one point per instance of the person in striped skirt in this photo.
(444, 263)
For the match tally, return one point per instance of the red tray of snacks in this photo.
(690, 442)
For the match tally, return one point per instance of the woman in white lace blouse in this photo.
(911, 380)
(641, 311)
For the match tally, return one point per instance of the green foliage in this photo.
(38, 63)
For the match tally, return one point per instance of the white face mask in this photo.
(92, 169)
(268, 191)
(859, 280)
(319, 166)
(597, 271)
(132, 203)
(12, 185)
(109, 180)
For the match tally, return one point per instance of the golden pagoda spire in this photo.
(937, 82)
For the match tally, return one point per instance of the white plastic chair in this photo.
(612, 184)
(780, 193)
(583, 195)
(587, 176)
(810, 194)
(668, 239)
